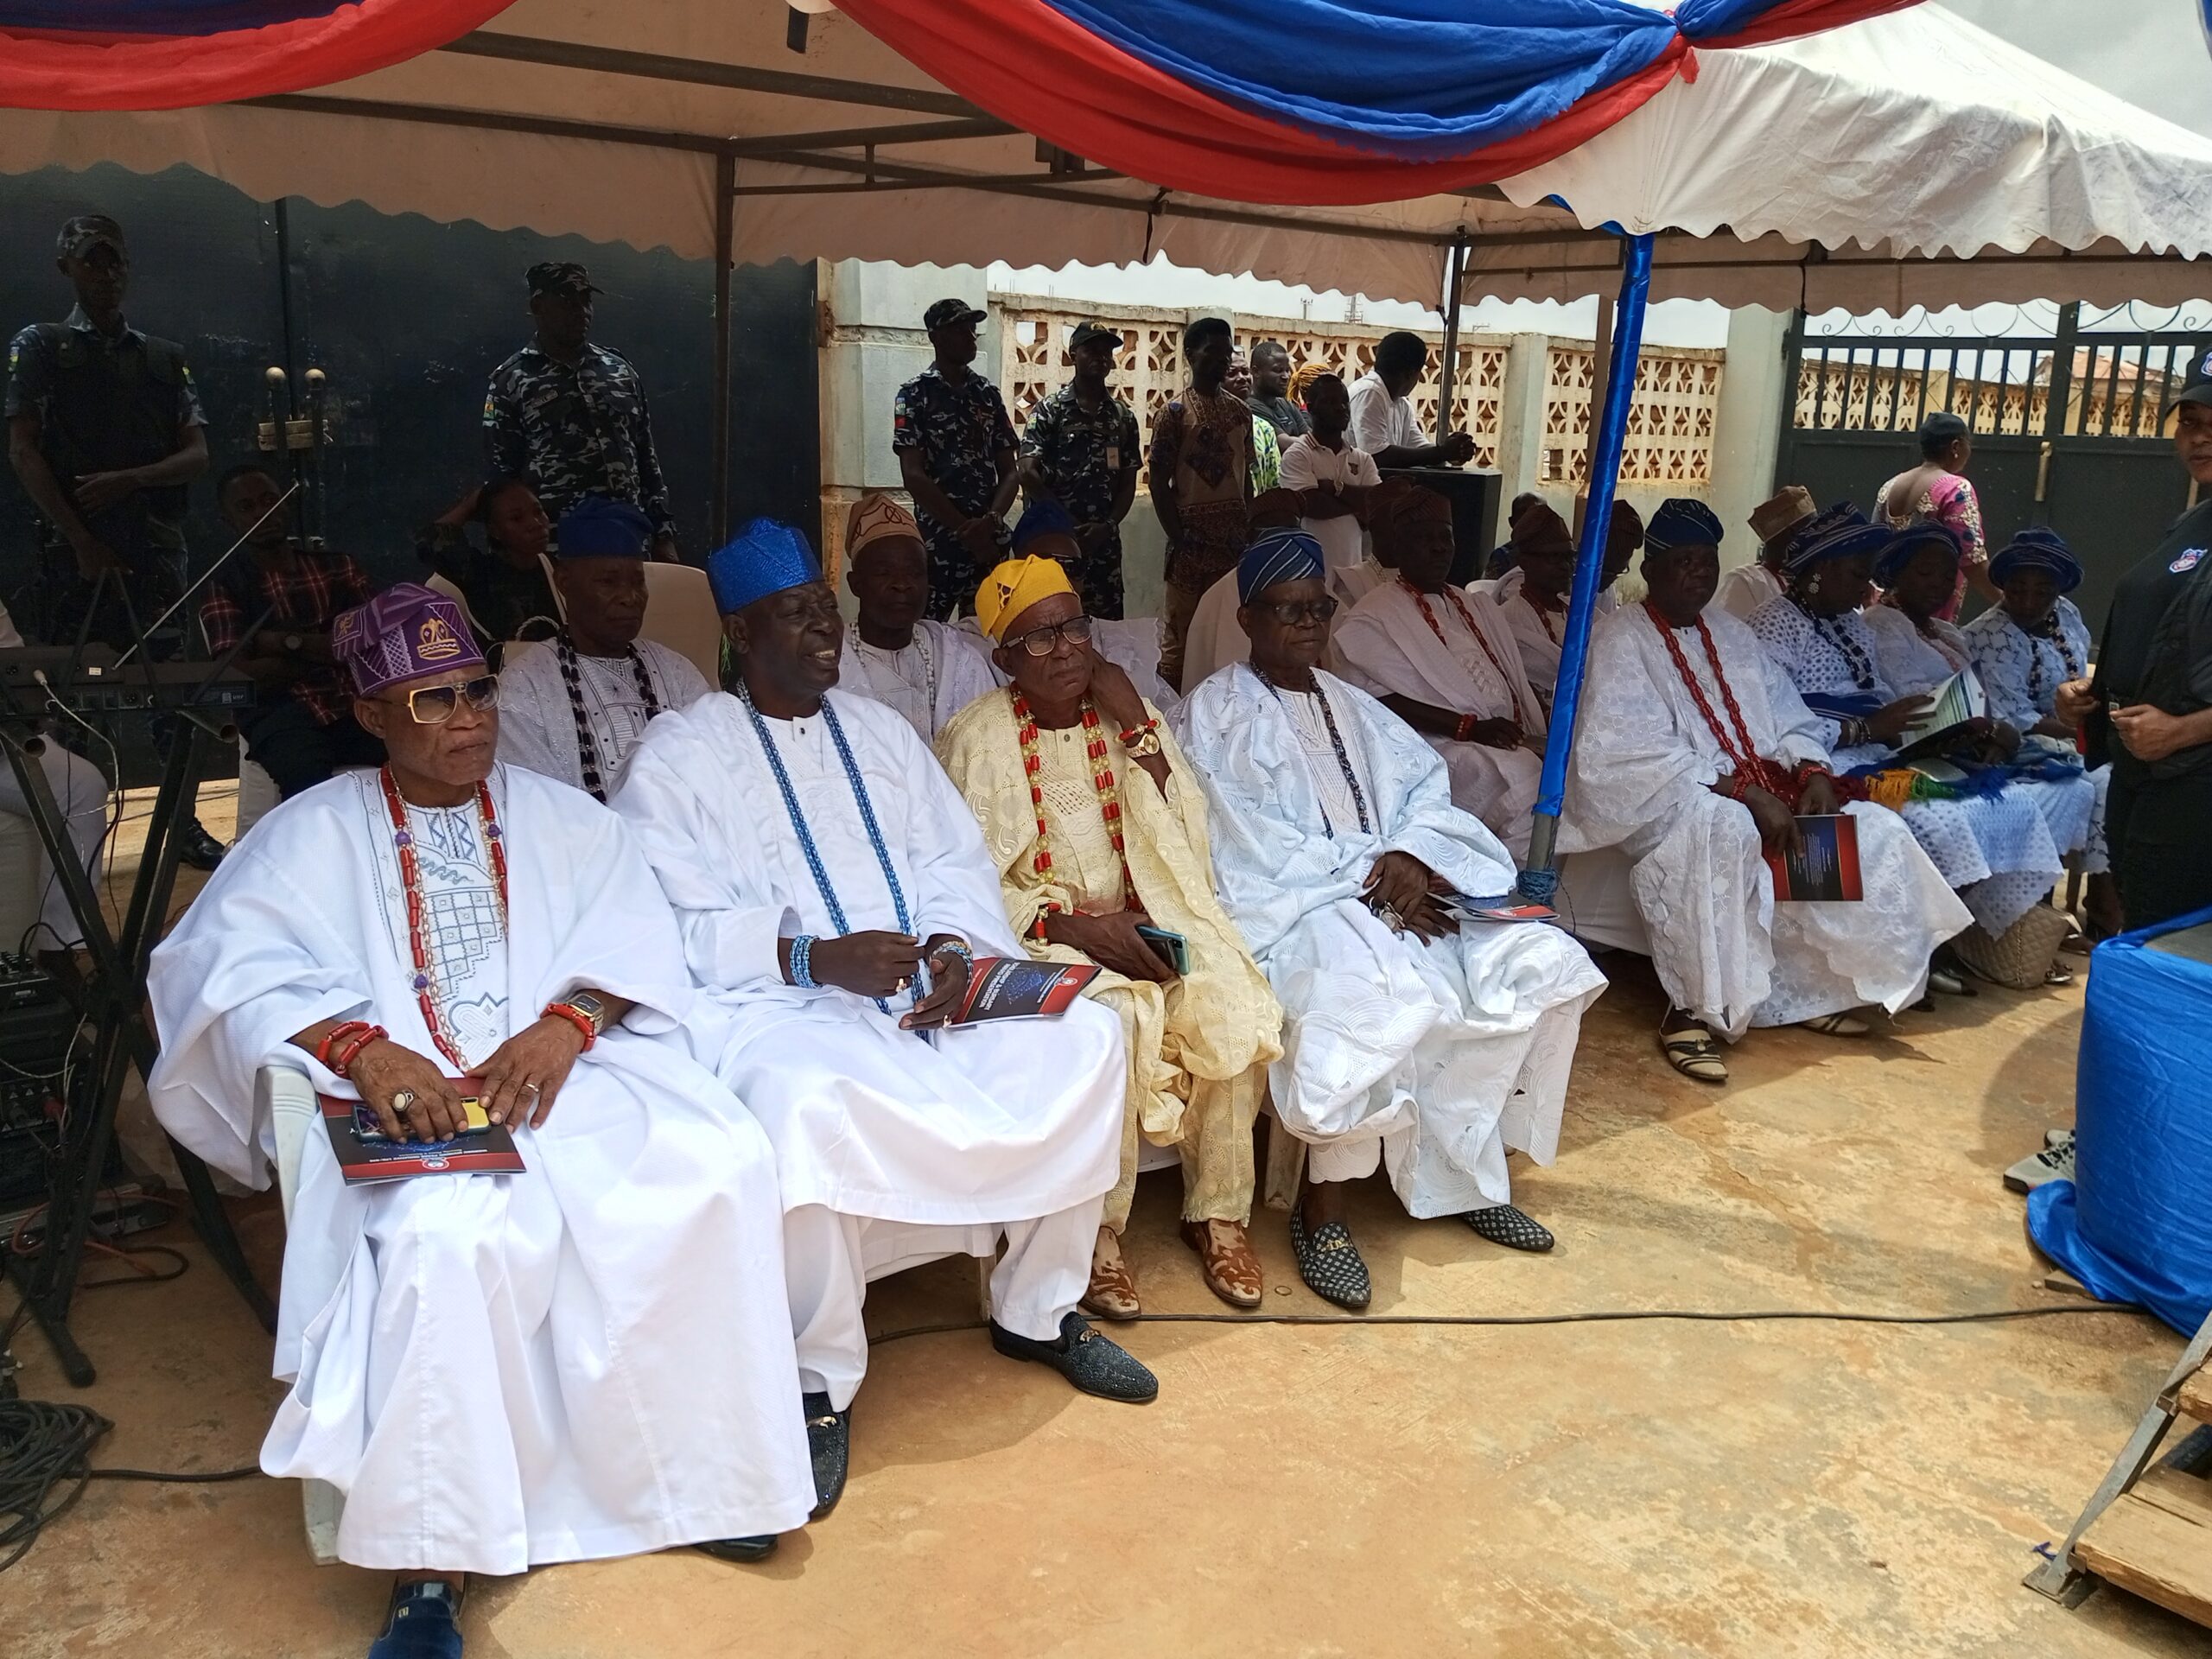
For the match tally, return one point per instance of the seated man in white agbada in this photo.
(589, 1358)
(573, 706)
(1533, 595)
(928, 671)
(1692, 754)
(1444, 661)
(1410, 1041)
(834, 892)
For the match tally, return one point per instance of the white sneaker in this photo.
(2053, 1163)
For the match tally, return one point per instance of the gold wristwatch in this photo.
(1146, 745)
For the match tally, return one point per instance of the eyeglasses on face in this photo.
(433, 705)
(1291, 613)
(1041, 642)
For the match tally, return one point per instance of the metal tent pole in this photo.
(1540, 880)
(1455, 278)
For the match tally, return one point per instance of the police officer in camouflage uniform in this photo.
(105, 431)
(1081, 449)
(955, 446)
(570, 417)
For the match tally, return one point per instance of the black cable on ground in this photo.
(1983, 1317)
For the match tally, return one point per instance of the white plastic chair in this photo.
(680, 615)
(287, 1095)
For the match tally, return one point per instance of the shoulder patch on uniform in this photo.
(2187, 561)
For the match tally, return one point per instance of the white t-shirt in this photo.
(1380, 422)
(1308, 463)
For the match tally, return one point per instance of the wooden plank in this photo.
(2156, 1541)
(2196, 1399)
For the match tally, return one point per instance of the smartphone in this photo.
(1170, 948)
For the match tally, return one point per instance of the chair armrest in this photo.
(287, 1095)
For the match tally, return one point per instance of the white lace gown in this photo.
(2022, 673)
(1644, 762)
(1448, 1053)
(1998, 852)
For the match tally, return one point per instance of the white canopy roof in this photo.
(1909, 159)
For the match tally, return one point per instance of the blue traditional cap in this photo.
(597, 528)
(1841, 532)
(1046, 518)
(1906, 544)
(1682, 522)
(765, 558)
(1276, 555)
(2038, 549)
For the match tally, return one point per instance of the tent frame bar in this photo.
(699, 71)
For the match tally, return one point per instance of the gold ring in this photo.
(531, 1087)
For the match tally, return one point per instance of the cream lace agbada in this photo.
(1199, 1047)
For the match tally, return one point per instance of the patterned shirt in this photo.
(305, 600)
(574, 429)
(959, 431)
(1929, 495)
(1085, 455)
(1204, 439)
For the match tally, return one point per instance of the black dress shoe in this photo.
(1329, 1263)
(1093, 1363)
(829, 1442)
(196, 846)
(1515, 1228)
(742, 1550)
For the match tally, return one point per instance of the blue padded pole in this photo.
(1540, 880)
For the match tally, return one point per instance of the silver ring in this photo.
(1389, 918)
(900, 986)
(401, 1101)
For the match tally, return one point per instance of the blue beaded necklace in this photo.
(822, 884)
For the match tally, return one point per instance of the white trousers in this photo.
(827, 1258)
(81, 793)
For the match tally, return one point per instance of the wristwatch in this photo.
(1145, 746)
(592, 1009)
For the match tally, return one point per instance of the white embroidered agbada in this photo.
(591, 1358)
(538, 720)
(1539, 633)
(1386, 646)
(1441, 1056)
(1645, 760)
(2001, 852)
(950, 1138)
(941, 672)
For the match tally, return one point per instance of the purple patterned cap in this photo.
(405, 632)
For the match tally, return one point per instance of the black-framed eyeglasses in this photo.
(1042, 642)
(433, 705)
(1291, 613)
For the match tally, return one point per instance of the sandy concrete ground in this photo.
(1691, 1490)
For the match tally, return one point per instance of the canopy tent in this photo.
(1908, 159)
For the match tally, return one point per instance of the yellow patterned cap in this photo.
(1012, 588)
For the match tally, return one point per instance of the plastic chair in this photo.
(287, 1097)
(680, 615)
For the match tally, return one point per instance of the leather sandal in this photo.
(1837, 1025)
(1227, 1261)
(1113, 1291)
(1692, 1052)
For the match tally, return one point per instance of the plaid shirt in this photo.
(306, 601)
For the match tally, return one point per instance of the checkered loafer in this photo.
(1501, 1223)
(830, 1443)
(1329, 1263)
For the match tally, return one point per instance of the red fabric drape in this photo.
(176, 71)
(1027, 64)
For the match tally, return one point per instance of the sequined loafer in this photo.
(424, 1623)
(1516, 1230)
(829, 1442)
(1093, 1363)
(1329, 1263)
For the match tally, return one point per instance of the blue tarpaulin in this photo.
(2135, 1223)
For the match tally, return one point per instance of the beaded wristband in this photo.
(576, 1017)
(956, 948)
(341, 1063)
(1136, 732)
(1465, 731)
(803, 962)
(337, 1034)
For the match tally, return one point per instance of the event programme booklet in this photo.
(1827, 867)
(366, 1156)
(1958, 700)
(1503, 907)
(1015, 987)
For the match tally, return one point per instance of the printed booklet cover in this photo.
(1828, 868)
(364, 1155)
(1015, 988)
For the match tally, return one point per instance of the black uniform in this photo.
(2158, 649)
(103, 404)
